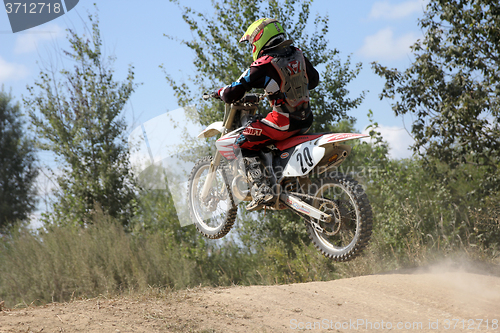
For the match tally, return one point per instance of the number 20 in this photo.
(308, 159)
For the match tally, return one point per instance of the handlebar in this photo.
(248, 98)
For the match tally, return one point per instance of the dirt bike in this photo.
(335, 209)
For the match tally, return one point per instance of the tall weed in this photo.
(66, 262)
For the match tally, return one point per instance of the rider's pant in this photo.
(276, 126)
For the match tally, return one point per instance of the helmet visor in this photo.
(255, 29)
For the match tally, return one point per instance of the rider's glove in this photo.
(217, 93)
(214, 94)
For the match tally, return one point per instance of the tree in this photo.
(78, 115)
(453, 85)
(17, 164)
(220, 59)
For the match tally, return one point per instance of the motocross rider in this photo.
(286, 76)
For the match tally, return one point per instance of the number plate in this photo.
(304, 158)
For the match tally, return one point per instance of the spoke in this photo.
(217, 202)
(347, 216)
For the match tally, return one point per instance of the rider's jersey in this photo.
(286, 78)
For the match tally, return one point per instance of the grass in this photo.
(65, 263)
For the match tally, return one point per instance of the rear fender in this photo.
(335, 151)
(319, 154)
(339, 137)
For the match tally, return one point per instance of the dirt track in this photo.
(421, 302)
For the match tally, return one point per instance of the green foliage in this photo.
(416, 214)
(453, 86)
(445, 200)
(17, 163)
(77, 114)
(156, 213)
(220, 59)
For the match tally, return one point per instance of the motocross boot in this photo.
(260, 190)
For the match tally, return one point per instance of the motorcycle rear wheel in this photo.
(215, 216)
(350, 230)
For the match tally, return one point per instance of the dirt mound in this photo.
(430, 301)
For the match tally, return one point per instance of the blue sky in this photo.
(133, 32)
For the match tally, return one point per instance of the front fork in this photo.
(211, 175)
(228, 119)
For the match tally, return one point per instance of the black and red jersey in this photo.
(291, 112)
(262, 74)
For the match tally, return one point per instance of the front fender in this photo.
(212, 130)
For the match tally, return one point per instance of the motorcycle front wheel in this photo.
(349, 231)
(215, 215)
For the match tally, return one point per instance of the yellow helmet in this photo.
(260, 32)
